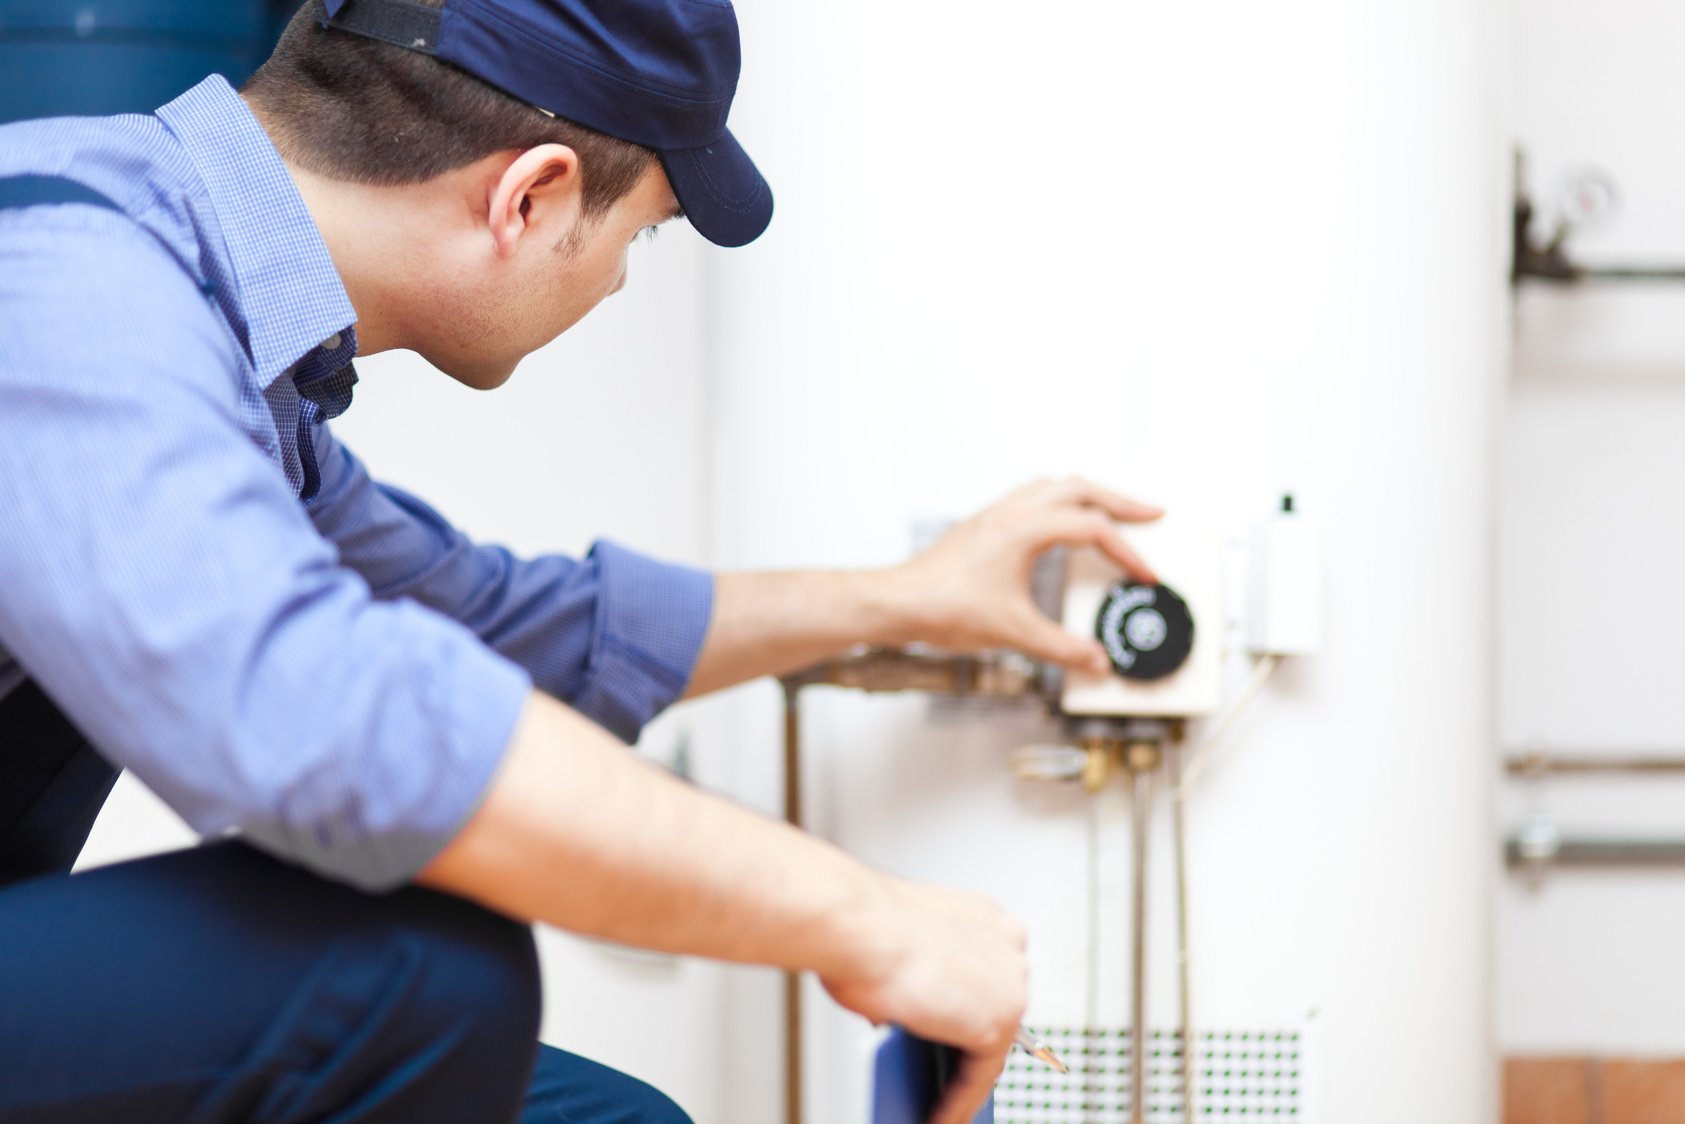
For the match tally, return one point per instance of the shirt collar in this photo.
(290, 293)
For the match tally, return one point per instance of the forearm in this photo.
(968, 592)
(771, 623)
(579, 834)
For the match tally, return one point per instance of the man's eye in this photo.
(649, 233)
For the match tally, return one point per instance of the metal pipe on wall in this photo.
(1184, 964)
(1586, 852)
(1141, 758)
(1544, 764)
(1000, 675)
(1141, 809)
(1540, 845)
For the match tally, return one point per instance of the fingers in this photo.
(972, 1083)
(1081, 527)
(1113, 547)
(1075, 491)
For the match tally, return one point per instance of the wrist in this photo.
(893, 606)
(864, 941)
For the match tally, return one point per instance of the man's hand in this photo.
(949, 967)
(971, 590)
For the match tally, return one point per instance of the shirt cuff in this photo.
(651, 620)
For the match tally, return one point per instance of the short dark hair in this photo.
(355, 109)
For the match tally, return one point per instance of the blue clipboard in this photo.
(908, 1076)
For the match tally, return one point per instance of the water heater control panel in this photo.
(1164, 641)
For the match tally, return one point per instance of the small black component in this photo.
(1147, 630)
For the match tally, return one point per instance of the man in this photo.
(413, 737)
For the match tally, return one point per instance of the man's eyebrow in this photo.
(678, 212)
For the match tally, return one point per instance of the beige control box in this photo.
(1187, 559)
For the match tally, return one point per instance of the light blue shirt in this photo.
(206, 582)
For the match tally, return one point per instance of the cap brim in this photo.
(722, 194)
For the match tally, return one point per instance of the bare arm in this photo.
(577, 833)
(967, 592)
(772, 623)
(580, 834)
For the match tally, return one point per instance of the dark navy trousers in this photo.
(220, 985)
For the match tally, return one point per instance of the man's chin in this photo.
(483, 375)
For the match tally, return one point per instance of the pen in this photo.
(1039, 1050)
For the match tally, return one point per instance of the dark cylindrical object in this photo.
(1147, 630)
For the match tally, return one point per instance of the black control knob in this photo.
(1147, 630)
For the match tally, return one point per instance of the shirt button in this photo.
(331, 342)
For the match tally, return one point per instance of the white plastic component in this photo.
(1188, 560)
(1284, 595)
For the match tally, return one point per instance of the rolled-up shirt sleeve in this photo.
(615, 635)
(161, 582)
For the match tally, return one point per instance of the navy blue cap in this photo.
(660, 73)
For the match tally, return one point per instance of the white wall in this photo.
(1205, 254)
(1594, 503)
(597, 435)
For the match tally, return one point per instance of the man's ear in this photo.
(541, 186)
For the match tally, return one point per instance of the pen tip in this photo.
(1052, 1059)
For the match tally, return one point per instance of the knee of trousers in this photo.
(569, 1087)
(646, 1104)
(455, 991)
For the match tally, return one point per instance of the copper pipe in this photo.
(1544, 764)
(988, 674)
(792, 980)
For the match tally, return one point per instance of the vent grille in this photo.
(1240, 1075)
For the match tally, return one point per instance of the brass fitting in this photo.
(1141, 755)
(1100, 756)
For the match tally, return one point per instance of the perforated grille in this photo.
(1240, 1075)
